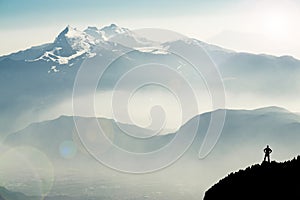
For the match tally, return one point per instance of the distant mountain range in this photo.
(266, 181)
(244, 132)
(6, 194)
(34, 81)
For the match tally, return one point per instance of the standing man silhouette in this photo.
(267, 152)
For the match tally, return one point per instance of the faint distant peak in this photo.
(272, 109)
(92, 28)
(113, 25)
(185, 41)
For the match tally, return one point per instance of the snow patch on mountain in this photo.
(53, 69)
(108, 32)
(79, 40)
(95, 33)
(124, 37)
(52, 56)
(112, 30)
(153, 50)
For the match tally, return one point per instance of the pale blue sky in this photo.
(259, 26)
(18, 13)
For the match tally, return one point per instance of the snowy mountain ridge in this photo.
(73, 44)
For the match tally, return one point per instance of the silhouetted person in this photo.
(267, 151)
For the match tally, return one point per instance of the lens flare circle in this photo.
(129, 70)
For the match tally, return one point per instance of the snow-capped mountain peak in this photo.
(112, 30)
(70, 31)
(124, 36)
(107, 32)
(70, 44)
(78, 40)
(94, 32)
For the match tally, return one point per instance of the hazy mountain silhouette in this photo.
(245, 132)
(8, 195)
(265, 181)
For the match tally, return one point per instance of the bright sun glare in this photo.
(276, 23)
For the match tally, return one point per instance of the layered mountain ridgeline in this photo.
(8, 195)
(266, 181)
(244, 131)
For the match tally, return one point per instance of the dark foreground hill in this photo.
(266, 181)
